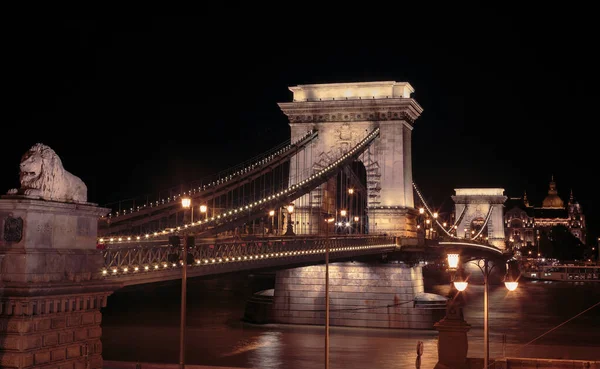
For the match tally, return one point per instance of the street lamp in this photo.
(329, 220)
(204, 210)
(186, 203)
(510, 284)
(272, 215)
(290, 231)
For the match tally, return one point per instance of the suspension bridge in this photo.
(348, 161)
(340, 189)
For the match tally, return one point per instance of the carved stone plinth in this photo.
(50, 287)
(452, 341)
(51, 326)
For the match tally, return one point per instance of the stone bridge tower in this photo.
(475, 206)
(343, 114)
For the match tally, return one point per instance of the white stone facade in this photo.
(343, 114)
(478, 202)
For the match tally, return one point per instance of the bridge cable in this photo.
(430, 212)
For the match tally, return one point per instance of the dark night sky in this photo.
(133, 106)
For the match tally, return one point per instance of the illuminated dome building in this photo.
(524, 222)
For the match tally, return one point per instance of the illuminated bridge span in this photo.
(345, 137)
(230, 218)
(145, 264)
(347, 166)
(209, 189)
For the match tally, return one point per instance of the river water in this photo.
(142, 323)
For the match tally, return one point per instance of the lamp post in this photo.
(272, 215)
(186, 203)
(460, 284)
(290, 231)
(343, 214)
(329, 220)
(350, 208)
(204, 210)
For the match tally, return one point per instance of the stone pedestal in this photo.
(452, 341)
(50, 288)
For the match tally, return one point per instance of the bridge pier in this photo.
(51, 294)
(361, 295)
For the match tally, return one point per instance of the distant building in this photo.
(524, 222)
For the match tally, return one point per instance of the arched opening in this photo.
(476, 225)
(351, 200)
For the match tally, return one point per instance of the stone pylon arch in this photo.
(343, 114)
(477, 204)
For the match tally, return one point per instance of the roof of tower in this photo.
(552, 200)
(365, 90)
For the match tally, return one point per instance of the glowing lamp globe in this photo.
(453, 261)
(461, 286)
(511, 286)
(186, 202)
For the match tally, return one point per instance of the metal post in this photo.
(183, 305)
(486, 338)
(327, 299)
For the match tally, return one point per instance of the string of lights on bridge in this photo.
(219, 181)
(156, 266)
(230, 214)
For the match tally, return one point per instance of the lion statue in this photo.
(42, 175)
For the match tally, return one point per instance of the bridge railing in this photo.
(146, 258)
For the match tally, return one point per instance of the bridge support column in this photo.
(51, 293)
(377, 295)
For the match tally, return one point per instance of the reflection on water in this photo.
(142, 323)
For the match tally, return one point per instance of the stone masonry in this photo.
(343, 114)
(50, 291)
(361, 295)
